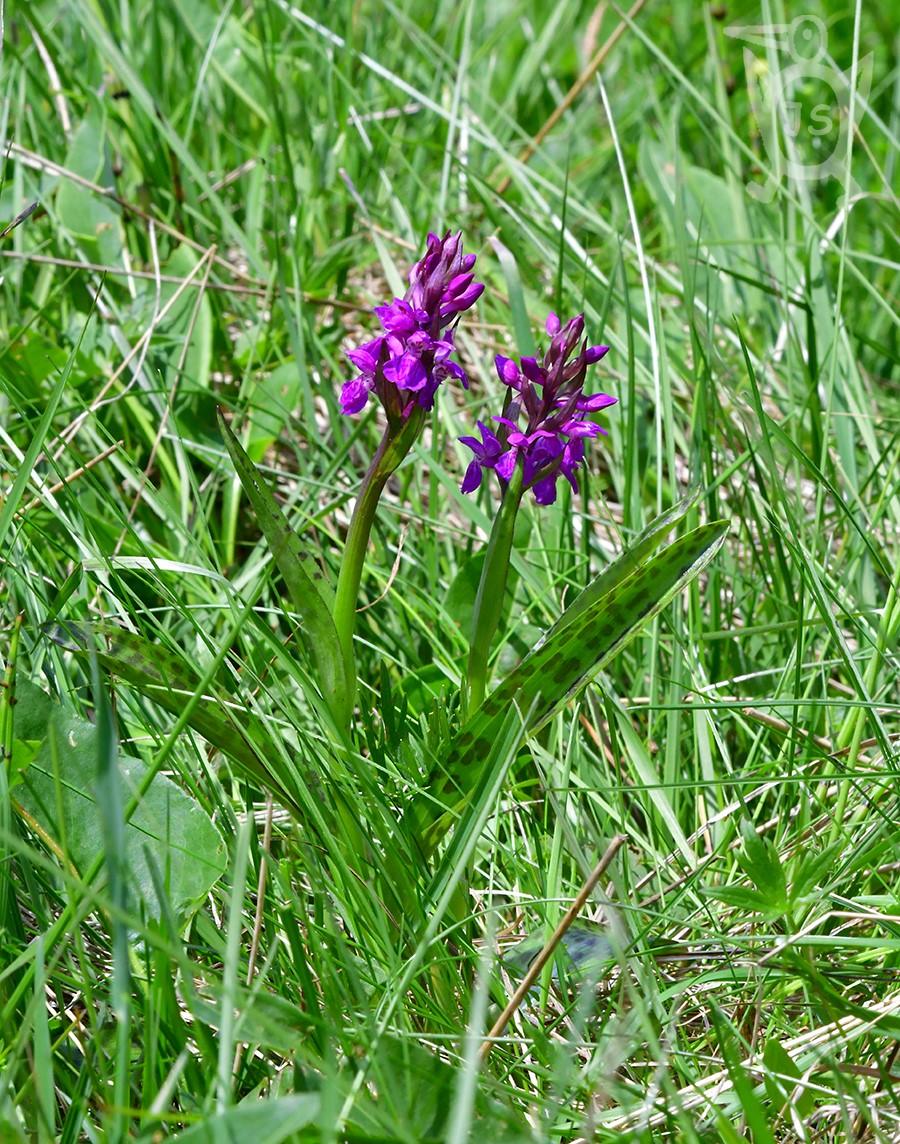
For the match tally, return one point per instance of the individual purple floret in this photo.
(488, 454)
(406, 364)
(550, 397)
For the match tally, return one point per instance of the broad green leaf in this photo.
(463, 591)
(474, 812)
(30, 360)
(412, 1098)
(9, 504)
(262, 1121)
(93, 220)
(784, 1081)
(553, 673)
(813, 869)
(743, 899)
(169, 830)
(698, 206)
(234, 56)
(163, 677)
(305, 580)
(21, 758)
(274, 396)
(760, 862)
(190, 317)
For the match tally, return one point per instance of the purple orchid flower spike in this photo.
(539, 437)
(405, 365)
(550, 396)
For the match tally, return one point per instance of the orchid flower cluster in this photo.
(550, 395)
(406, 364)
(540, 436)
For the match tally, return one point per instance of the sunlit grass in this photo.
(284, 170)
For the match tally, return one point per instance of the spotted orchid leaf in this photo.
(551, 675)
(637, 553)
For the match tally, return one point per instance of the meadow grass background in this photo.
(224, 190)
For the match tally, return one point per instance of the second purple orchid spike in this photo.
(548, 396)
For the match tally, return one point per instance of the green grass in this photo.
(224, 191)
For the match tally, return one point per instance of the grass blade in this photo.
(304, 578)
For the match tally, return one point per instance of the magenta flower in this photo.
(407, 363)
(550, 397)
(488, 454)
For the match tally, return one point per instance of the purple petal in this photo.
(592, 403)
(419, 343)
(553, 325)
(543, 452)
(507, 370)
(595, 353)
(354, 396)
(458, 285)
(488, 447)
(442, 348)
(533, 371)
(457, 371)
(574, 453)
(398, 317)
(365, 357)
(545, 490)
(489, 437)
(472, 295)
(506, 464)
(425, 397)
(569, 474)
(472, 479)
(491, 441)
(571, 331)
(406, 372)
(455, 305)
(577, 428)
(449, 245)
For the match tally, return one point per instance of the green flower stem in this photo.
(395, 444)
(492, 589)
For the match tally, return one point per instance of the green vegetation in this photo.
(231, 908)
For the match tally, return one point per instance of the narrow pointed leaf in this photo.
(643, 545)
(163, 677)
(552, 674)
(306, 583)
